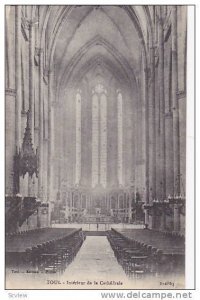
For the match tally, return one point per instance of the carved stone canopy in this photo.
(28, 157)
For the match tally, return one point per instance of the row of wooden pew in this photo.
(46, 251)
(133, 259)
(140, 260)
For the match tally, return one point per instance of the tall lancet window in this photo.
(99, 136)
(103, 140)
(120, 136)
(78, 138)
(95, 140)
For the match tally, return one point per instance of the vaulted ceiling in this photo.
(78, 38)
(103, 33)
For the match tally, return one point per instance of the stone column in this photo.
(117, 204)
(81, 201)
(45, 167)
(163, 220)
(41, 128)
(31, 80)
(10, 137)
(176, 217)
(147, 218)
(129, 209)
(12, 101)
(112, 135)
(152, 132)
(61, 153)
(50, 141)
(71, 204)
(53, 162)
(147, 140)
(49, 169)
(108, 199)
(176, 142)
(168, 119)
(162, 108)
(31, 181)
(152, 219)
(45, 143)
(157, 121)
(169, 153)
(86, 197)
(18, 83)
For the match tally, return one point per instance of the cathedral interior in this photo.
(95, 106)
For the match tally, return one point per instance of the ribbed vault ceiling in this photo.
(78, 38)
(91, 35)
(104, 32)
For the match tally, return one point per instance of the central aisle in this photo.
(95, 267)
(96, 262)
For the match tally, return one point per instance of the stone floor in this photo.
(95, 260)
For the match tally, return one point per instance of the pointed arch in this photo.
(97, 40)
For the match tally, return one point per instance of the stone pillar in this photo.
(147, 217)
(162, 108)
(10, 137)
(147, 140)
(152, 132)
(45, 168)
(61, 150)
(18, 83)
(163, 220)
(129, 209)
(10, 44)
(168, 118)
(108, 199)
(81, 201)
(40, 181)
(50, 141)
(157, 121)
(71, 204)
(176, 217)
(31, 80)
(175, 109)
(12, 101)
(169, 153)
(31, 181)
(53, 165)
(152, 218)
(118, 203)
(112, 135)
(86, 203)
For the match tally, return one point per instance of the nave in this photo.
(95, 103)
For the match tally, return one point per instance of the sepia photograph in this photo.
(95, 147)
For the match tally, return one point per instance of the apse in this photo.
(98, 98)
